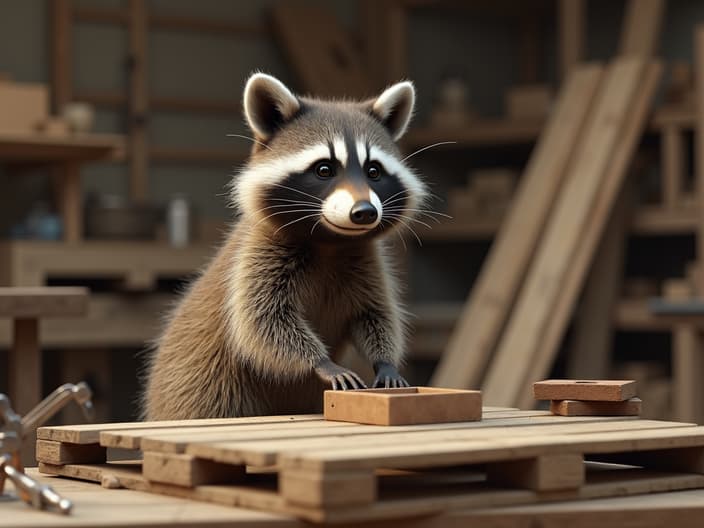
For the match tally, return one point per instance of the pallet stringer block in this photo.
(51, 452)
(321, 488)
(187, 470)
(542, 473)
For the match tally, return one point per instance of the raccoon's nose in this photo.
(363, 213)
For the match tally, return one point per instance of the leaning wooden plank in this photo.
(580, 260)
(90, 433)
(326, 62)
(641, 29)
(487, 308)
(546, 273)
(572, 26)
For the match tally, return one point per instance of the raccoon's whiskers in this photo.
(296, 220)
(404, 224)
(411, 219)
(315, 225)
(428, 147)
(252, 140)
(296, 190)
(285, 212)
(388, 200)
(300, 202)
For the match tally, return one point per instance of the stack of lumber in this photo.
(512, 326)
(328, 471)
(589, 397)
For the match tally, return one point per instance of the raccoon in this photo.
(304, 271)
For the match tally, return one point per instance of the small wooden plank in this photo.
(491, 298)
(90, 433)
(346, 488)
(51, 452)
(543, 473)
(187, 470)
(630, 407)
(590, 390)
(406, 406)
(41, 302)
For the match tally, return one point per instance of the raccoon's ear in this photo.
(394, 108)
(268, 104)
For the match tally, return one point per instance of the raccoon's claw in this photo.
(339, 377)
(387, 377)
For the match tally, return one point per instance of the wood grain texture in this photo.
(491, 298)
(408, 406)
(333, 471)
(590, 390)
(186, 470)
(554, 277)
(52, 452)
(630, 407)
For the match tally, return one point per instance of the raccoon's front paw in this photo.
(387, 376)
(339, 377)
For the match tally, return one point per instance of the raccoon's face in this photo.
(327, 170)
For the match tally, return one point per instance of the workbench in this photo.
(95, 506)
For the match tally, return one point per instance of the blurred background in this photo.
(115, 156)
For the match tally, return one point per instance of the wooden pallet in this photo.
(344, 472)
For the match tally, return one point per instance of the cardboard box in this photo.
(22, 106)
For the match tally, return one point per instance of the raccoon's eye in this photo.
(374, 170)
(324, 169)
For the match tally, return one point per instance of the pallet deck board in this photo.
(334, 471)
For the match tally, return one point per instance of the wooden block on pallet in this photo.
(405, 406)
(57, 453)
(187, 470)
(631, 407)
(590, 390)
(311, 488)
(543, 473)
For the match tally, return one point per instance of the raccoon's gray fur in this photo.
(303, 273)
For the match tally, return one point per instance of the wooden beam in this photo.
(672, 165)
(571, 31)
(25, 365)
(687, 372)
(70, 202)
(491, 298)
(641, 28)
(699, 147)
(61, 53)
(138, 98)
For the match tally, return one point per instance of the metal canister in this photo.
(178, 221)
